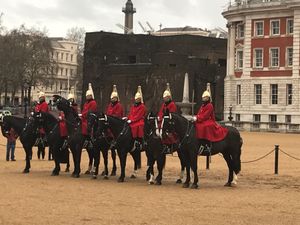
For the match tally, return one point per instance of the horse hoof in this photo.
(94, 177)
(54, 174)
(179, 181)
(87, 172)
(151, 182)
(105, 177)
(158, 183)
(194, 186)
(132, 176)
(103, 173)
(228, 184)
(186, 185)
(121, 180)
(75, 175)
(26, 171)
(113, 173)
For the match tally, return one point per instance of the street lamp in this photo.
(230, 113)
(26, 86)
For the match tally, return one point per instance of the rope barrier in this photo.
(260, 158)
(289, 154)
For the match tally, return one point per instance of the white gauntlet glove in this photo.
(129, 121)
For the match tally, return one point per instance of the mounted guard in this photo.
(136, 118)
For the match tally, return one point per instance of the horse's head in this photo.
(61, 103)
(37, 119)
(151, 124)
(5, 126)
(103, 123)
(168, 124)
(92, 120)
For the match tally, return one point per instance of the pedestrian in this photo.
(11, 144)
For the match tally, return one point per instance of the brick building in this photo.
(262, 82)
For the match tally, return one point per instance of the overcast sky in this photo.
(95, 15)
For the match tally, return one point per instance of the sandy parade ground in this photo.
(260, 197)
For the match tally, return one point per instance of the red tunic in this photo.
(42, 107)
(136, 115)
(88, 106)
(62, 125)
(115, 110)
(172, 137)
(171, 107)
(206, 126)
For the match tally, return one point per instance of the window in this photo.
(258, 58)
(62, 56)
(289, 57)
(67, 72)
(258, 92)
(237, 117)
(288, 118)
(239, 59)
(259, 28)
(67, 56)
(290, 26)
(57, 69)
(274, 94)
(274, 57)
(275, 27)
(71, 72)
(289, 94)
(71, 57)
(132, 59)
(57, 55)
(273, 118)
(256, 118)
(238, 94)
(240, 31)
(61, 71)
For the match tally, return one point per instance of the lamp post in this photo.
(26, 86)
(230, 113)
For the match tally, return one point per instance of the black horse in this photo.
(124, 143)
(75, 138)
(154, 151)
(59, 148)
(27, 130)
(101, 142)
(230, 147)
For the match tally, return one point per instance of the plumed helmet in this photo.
(41, 94)
(167, 92)
(114, 93)
(70, 96)
(205, 94)
(139, 94)
(89, 92)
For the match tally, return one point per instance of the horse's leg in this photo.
(77, 158)
(114, 168)
(150, 164)
(182, 163)
(55, 152)
(161, 161)
(105, 159)
(186, 184)
(194, 167)
(230, 168)
(91, 159)
(68, 162)
(96, 161)
(122, 157)
(28, 155)
(136, 164)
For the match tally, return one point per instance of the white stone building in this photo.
(262, 85)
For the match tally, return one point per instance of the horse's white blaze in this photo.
(235, 178)
(151, 180)
(157, 129)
